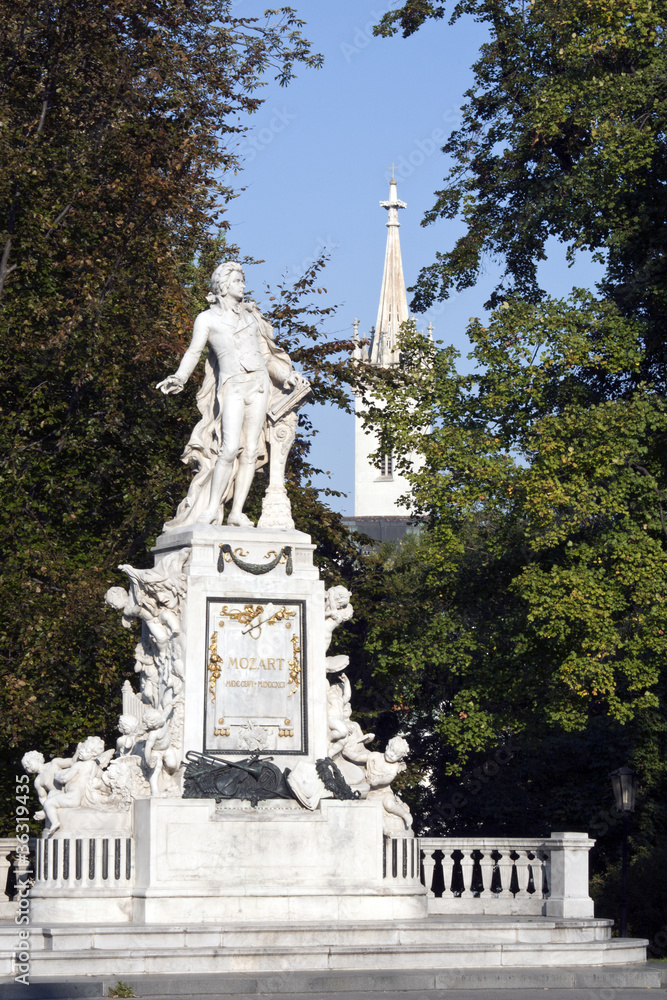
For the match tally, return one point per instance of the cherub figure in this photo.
(353, 747)
(338, 712)
(149, 679)
(131, 731)
(82, 783)
(380, 770)
(45, 774)
(159, 754)
(337, 609)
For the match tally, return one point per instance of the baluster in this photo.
(505, 868)
(96, 844)
(457, 867)
(447, 871)
(544, 886)
(487, 864)
(67, 863)
(429, 868)
(467, 864)
(72, 863)
(522, 871)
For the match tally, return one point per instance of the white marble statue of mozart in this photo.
(244, 376)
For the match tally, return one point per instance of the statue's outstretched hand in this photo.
(171, 385)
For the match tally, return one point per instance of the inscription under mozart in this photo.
(254, 677)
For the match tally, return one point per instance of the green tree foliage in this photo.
(547, 537)
(542, 475)
(563, 135)
(119, 125)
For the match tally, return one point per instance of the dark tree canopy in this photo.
(119, 125)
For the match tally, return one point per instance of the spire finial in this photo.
(393, 309)
(356, 351)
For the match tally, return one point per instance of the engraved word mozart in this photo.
(248, 663)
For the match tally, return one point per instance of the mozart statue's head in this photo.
(224, 276)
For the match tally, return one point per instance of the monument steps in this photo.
(432, 943)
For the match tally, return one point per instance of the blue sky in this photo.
(317, 162)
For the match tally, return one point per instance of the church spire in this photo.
(393, 309)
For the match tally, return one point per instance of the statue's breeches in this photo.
(244, 404)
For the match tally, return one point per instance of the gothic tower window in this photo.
(387, 466)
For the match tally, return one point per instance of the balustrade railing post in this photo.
(569, 895)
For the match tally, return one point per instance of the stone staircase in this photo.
(434, 943)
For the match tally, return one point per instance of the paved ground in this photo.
(491, 994)
(645, 982)
(473, 994)
(488, 994)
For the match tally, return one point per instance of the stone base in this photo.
(193, 862)
(164, 908)
(83, 822)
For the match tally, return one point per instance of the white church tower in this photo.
(377, 511)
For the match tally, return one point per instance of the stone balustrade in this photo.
(90, 862)
(545, 876)
(400, 859)
(7, 854)
(463, 875)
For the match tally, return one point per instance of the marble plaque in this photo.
(255, 677)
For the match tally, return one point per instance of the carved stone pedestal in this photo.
(199, 862)
(232, 662)
(252, 639)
